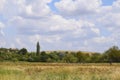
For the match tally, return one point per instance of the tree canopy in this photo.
(110, 55)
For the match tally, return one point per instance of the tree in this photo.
(70, 58)
(43, 56)
(23, 51)
(80, 56)
(113, 54)
(54, 57)
(38, 49)
(96, 57)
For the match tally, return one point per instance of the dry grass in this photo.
(55, 71)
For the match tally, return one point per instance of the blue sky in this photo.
(86, 25)
(108, 2)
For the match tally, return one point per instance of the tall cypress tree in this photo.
(38, 49)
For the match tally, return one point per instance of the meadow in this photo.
(58, 71)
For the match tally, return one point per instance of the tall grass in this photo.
(44, 71)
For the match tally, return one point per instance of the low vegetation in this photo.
(109, 56)
(58, 71)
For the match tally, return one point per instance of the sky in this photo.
(85, 25)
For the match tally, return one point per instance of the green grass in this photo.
(55, 71)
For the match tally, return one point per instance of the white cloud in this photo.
(91, 26)
(102, 39)
(55, 25)
(78, 7)
(96, 30)
(25, 8)
(54, 29)
(38, 8)
(2, 25)
(2, 2)
(110, 21)
(116, 4)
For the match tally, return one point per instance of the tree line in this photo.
(109, 56)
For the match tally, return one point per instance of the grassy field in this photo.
(58, 71)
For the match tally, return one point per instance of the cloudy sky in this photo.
(87, 25)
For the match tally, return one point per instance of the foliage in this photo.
(38, 49)
(70, 58)
(111, 55)
(80, 56)
(96, 57)
(23, 51)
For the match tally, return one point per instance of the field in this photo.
(58, 71)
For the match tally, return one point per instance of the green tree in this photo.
(113, 54)
(80, 56)
(23, 51)
(70, 58)
(38, 49)
(44, 57)
(54, 57)
(96, 57)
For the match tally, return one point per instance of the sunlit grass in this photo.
(55, 71)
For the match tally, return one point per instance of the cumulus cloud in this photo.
(110, 21)
(78, 7)
(116, 4)
(38, 8)
(25, 8)
(2, 2)
(55, 29)
(34, 20)
(54, 24)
